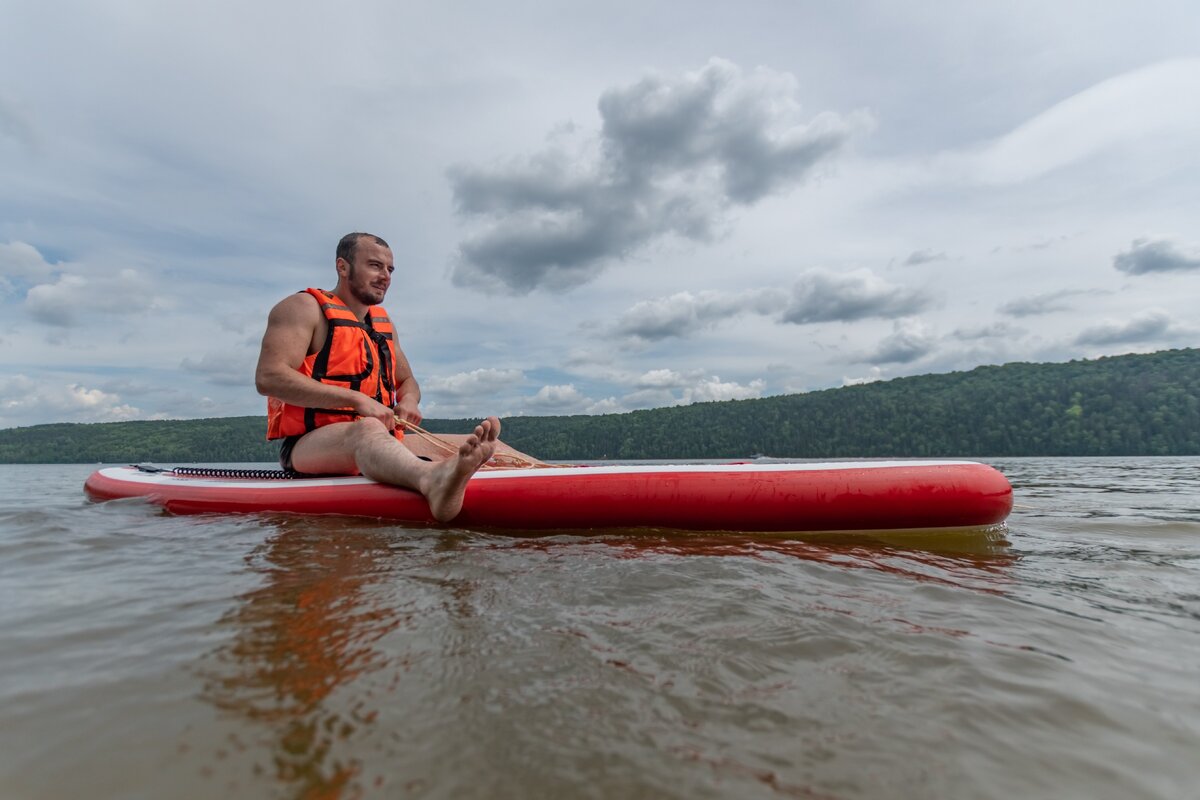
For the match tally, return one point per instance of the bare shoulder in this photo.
(296, 310)
(295, 327)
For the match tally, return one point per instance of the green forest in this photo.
(1115, 406)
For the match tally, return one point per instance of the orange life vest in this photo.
(356, 355)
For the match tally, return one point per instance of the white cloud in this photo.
(651, 389)
(561, 399)
(24, 401)
(476, 383)
(608, 405)
(670, 387)
(873, 375)
(23, 262)
(72, 298)
(1135, 106)
(664, 379)
(713, 388)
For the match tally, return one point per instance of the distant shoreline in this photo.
(1132, 405)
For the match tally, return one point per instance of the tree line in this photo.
(1114, 406)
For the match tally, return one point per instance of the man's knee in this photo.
(367, 429)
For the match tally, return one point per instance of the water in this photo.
(147, 656)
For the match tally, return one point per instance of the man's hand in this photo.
(368, 407)
(407, 410)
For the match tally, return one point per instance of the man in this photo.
(336, 380)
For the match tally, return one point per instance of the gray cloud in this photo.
(997, 330)
(1151, 325)
(685, 313)
(924, 257)
(910, 340)
(1159, 255)
(824, 296)
(1040, 244)
(673, 155)
(1046, 303)
(14, 124)
(226, 368)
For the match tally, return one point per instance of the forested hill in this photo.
(1123, 405)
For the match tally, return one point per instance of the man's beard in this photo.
(359, 295)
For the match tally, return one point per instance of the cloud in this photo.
(65, 302)
(874, 374)
(1159, 255)
(693, 386)
(21, 260)
(672, 155)
(476, 383)
(654, 388)
(909, 341)
(745, 128)
(608, 405)
(562, 399)
(1044, 243)
(14, 124)
(225, 368)
(26, 401)
(21, 263)
(566, 399)
(1038, 304)
(665, 379)
(1129, 108)
(685, 313)
(824, 296)
(818, 296)
(997, 330)
(713, 388)
(924, 257)
(1152, 325)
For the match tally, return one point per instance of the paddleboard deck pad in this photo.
(749, 497)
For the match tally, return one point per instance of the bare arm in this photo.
(408, 392)
(290, 332)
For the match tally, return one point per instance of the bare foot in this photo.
(446, 483)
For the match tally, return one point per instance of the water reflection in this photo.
(308, 633)
(307, 662)
(957, 557)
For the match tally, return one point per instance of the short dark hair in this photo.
(349, 245)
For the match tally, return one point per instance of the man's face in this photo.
(370, 275)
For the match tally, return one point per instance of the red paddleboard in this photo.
(747, 497)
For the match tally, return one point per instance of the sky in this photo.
(593, 208)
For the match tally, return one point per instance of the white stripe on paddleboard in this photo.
(129, 475)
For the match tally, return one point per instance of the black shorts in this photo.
(285, 452)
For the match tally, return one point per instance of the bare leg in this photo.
(366, 446)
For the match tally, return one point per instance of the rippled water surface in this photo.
(148, 656)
